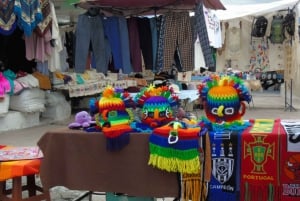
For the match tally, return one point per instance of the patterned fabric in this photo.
(260, 161)
(7, 17)
(225, 180)
(11, 169)
(175, 149)
(203, 37)
(46, 24)
(179, 36)
(161, 23)
(29, 14)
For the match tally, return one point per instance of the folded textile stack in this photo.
(30, 100)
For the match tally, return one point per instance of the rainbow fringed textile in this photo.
(175, 148)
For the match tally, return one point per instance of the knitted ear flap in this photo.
(243, 109)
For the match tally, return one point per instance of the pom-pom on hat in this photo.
(111, 100)
(224, 98)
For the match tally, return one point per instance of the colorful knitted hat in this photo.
(156, 104)
(223, 98)
(114, 118)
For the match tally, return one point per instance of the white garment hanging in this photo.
(199, 57)
(213, 27)
(54, 59)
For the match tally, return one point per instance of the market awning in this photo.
(145, 6)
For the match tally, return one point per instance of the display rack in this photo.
(288, 105)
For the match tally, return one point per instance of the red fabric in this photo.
(260, 161)
(11, 169)
(290, 172)
(183, 134)
(116, 131)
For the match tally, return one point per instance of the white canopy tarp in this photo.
(238, 11)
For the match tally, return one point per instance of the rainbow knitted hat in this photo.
(114, 118)
(224, 98)
(156, 104)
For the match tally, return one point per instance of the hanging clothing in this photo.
(29, 15)
(54, 63)
(161, 23)
(146, 41)
(8, 18)
(125, 50)
(70, 48)
(154, 34)
(46, 23)
(200, 28)
(178, 34)
(38, 48)
(12, 52)
(199, 58)
(116, 31)
(213, 27)
(134, 44)
(89, 32)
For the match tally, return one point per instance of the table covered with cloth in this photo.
(80, 161)
(17, 168)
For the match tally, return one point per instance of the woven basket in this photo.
(4, 104)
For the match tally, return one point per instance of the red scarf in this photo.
(260, 161)
(290, 162)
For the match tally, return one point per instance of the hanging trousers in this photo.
(134, 44)
(124, 37)
(89, 31)
(154, 33)
(116, 31)
(112, 32)
(146, 41)
(178, 32)
(201, 31)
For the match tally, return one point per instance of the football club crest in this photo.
(222, 169)
(222, 166)
(259, 151)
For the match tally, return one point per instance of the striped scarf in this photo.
(225, 174)
(181, 150)
(260, 161)
(181, 156)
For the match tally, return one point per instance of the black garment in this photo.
(13, 52)
(146, 41)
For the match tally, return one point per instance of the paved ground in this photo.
(265, 106)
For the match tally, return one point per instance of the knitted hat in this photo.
(223, 98)
(114, 118)
(156, 104)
